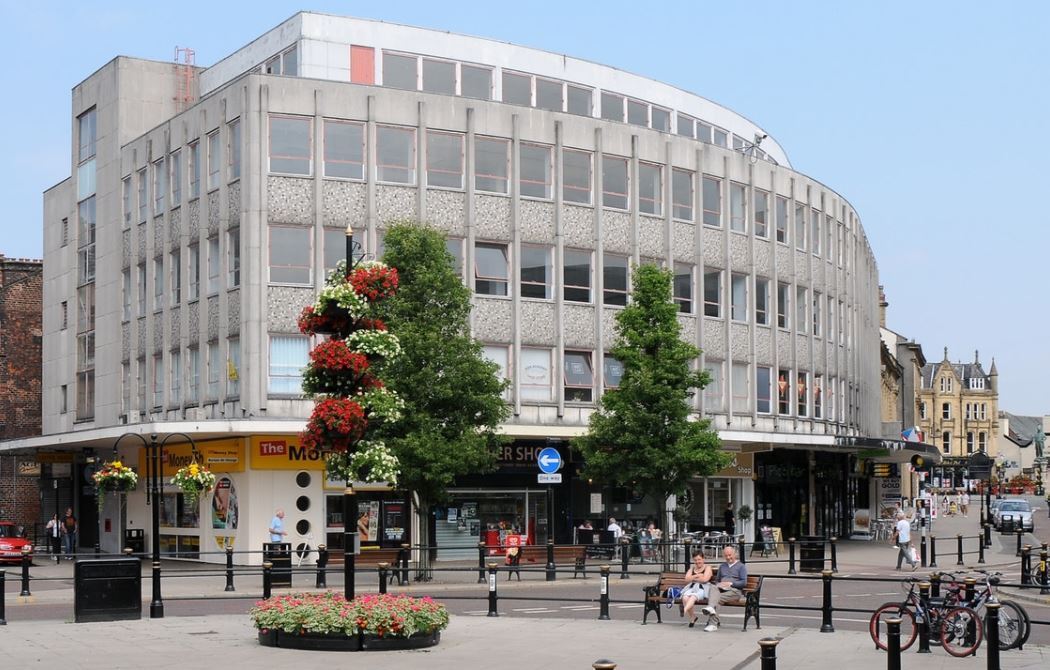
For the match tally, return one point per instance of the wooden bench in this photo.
(655, 597)
(371, 558)
(574, 555)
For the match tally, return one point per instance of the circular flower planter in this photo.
(336, 642)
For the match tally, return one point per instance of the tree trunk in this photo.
(424, 552)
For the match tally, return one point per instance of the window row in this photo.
(184, 377)
(754, 388)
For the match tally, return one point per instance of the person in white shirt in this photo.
(965, 503)
(617, 531)
(902, 538)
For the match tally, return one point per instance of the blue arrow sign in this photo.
(549, 460)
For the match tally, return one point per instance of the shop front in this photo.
(805, 492)
(705, 503)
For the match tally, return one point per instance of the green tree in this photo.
(453, 396)
(644, 434)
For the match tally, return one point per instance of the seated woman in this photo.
(697, 579)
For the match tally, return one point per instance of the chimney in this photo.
(882, 307)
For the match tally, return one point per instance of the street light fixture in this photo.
(354, 255)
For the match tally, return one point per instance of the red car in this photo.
(12, 539)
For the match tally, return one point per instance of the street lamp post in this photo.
(349, 514)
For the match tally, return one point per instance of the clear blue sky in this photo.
(930, 117)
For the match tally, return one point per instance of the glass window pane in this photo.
(290, 252)
(763, 399)
(535, 164)
(613, 372)
(761, 207)
(703, 132)
(637, 113)
(490, 269)
(399, 71)
(288, 357)
(444, 160)
(614, 182)
(661, 119)
(737, 208)
(580, 100)
(535, 377)
(344, 149)
(517, 89)
(576, 176)
(490, 164)
(712, 293)
(712, 194)
(683, 287)
(682, 194)
(290, 151)
(685, 126)
(536, 275)
(439, 76)
(549, 94)
(577, 275)
(475, 82)
(396, 158)
(579, 377)
(650, 189)
(614, 274)
(713, 398)
(612, 106)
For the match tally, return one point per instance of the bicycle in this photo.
(958, 629)
(1014, 622)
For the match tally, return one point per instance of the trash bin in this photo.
(811, 553)
(280, 555)
(108, 589)
(135, 540)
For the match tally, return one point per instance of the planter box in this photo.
(332, 642)
(416, 641)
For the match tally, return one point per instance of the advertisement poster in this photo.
(394, 521)
(224, 509)
(368, 521)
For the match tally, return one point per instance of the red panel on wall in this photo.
(362, 65)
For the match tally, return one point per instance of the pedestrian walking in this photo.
(69, 533)
(902, 538)
(276, 530)
(54, 536)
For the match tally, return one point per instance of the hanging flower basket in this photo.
(336, 424)
(194, 480)
(374, 281)
(113, 477)
(334, 369)
(372, 461)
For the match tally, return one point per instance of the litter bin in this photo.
(108, 589)
(811, 553)
(135, 540)
(280, 555)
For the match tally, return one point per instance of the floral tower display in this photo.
(351, 401)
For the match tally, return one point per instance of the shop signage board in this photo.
(549, 460)
(544, 478)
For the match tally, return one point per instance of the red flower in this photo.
(336, 423)
(375, 282)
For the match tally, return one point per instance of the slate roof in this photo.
(963, 371)
(1022, 428)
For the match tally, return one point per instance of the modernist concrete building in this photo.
(205, 206)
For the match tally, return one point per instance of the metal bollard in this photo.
(383, 567)
(825, 609)
(922, 552)
(959, 549)
(3, 592)
(1044, 577)
(267, 580)
(229, 569)
(834, 555)
(935, 585)
(893, 644)
(987, 535)
(1019, 534)
(603, 600)
(481, 562)
(402, 577)
(688, 544)
(27, 558)
(492, 590)
(603, 664)
(551, 568)
(625, 555)
(969, 586)
(322, 563)
(741, 552)
(1026, 565)
(791, 556)
(924, 624)
(980, 549)
(768, 645)
(991, 630)
(933, 551)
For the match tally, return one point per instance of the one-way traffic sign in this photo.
(549, 460)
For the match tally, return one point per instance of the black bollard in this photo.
(551, 568)
(959, 549)
(791, 556)
(1026, 565)
(1019, 534)
(603, 601)
(922, 552)
(741, 552)
(492, 590)
(3, 592)
(383, 567)
(1044, 574)
(322, 563)
(980, 550)
(267, 580)
(924, 624)
(991, 629)
(481, 562)
(893, 644)
(27, 558)
(834, 555)
(933, 551)
(988, 535)
(229, 569)
(825, 609)
(402, 578)
(688, 544)
(935, 585)
(625, 555)
(969, 586)
(768, 645)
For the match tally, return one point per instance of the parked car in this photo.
(12, 539)
(1013, 513)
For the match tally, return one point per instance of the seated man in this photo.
(730, 581)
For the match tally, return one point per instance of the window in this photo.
(490, 269)
(831, 320)
(158, 380)
(86, 394)
(195, 272)
(454, 246)
(720, 137)
(977, 383)
(713, 293)
(233, 149)
(344, 149)
(802, 387)
(143, 196)
(650, 189)
(65, 314)
(214, 371)
(214, 265)
(784, 392)
(193, 362)
(801, 306)
(762, 301)
(763, 390)
(761, 207)
(800, 227)
(174, 178)
(125, 279)
(738, 295)
(536, 378)
(491, 158)
(286, 63)
(140, 382)
(712, 195)
(537, 275)
(579, 100)
(63, 399)
(614, 280)
(684, 126)
(125, 205)
(703, 132)
(713, 398)
(946, 442)
(439, 76)
(637, 113)
(969, 442)
(288, 357)
(741, 390)
(614, 182)
(290, 252)
(612, 106)
(818, 396)
(400, 71)
(475, 82)
(737, 207)
(814, 218)
(922, 409)
(579, 377)
(782, 219)
(549, 95)
(290, 145)
(195, 169)
(982, 441)
(984, 414)
(946, 410)
(158, 283)
(535, 181)
(577, 276)
(682, 287)
(661, 119)
(613, 372)
(141, 277)
(233, 367)
(175, 274)
(500, 355)
(65, 231)
(576, 176)
(214, 160)
(829, 229)
(830, 409)
(682, 194)
(444, 159)
(517, 89)
(87, 130)
(233, 255)
(817, 300)
(175, 389)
